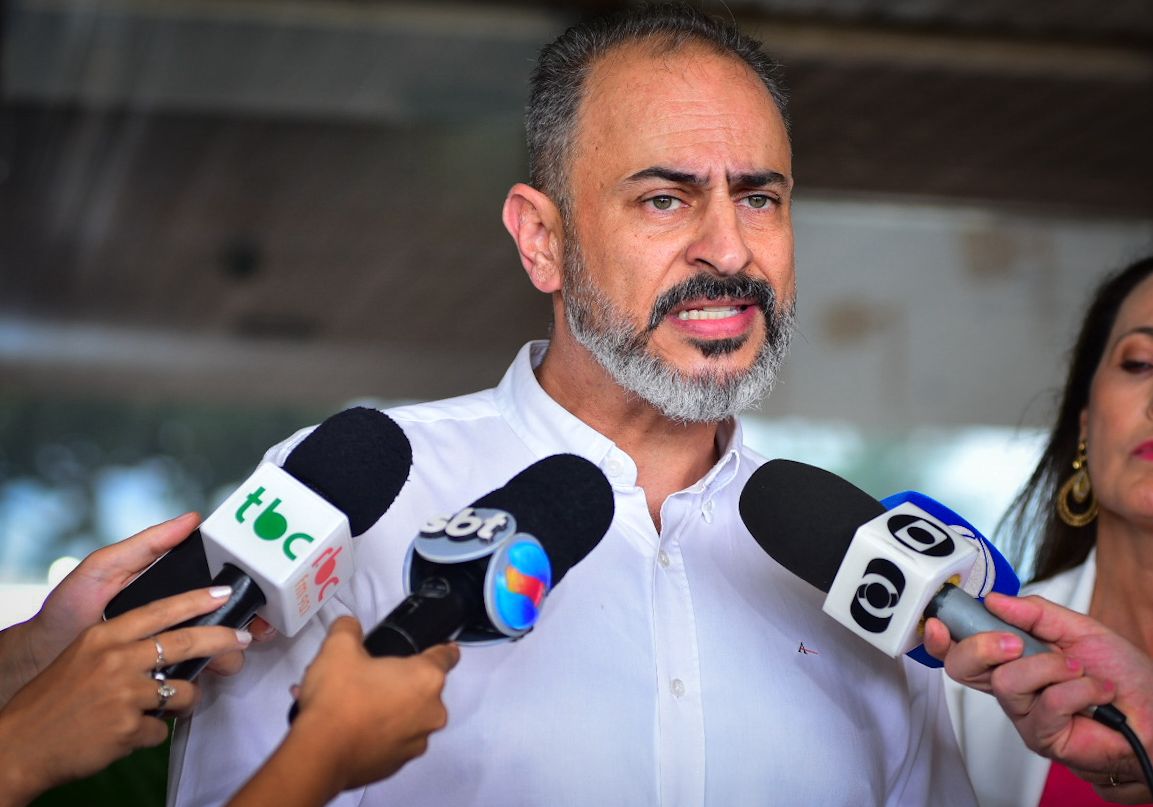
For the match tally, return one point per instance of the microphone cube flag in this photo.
(293, 543)
(894, 565)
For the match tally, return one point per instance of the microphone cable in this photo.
(1109, 715)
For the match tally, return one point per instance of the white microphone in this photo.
(294, 545)
(283, 539)
(884, 571)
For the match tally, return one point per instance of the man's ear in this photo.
(534, 222)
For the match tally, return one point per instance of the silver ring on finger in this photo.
(1113, 780)
(164, 693)
(160, 660)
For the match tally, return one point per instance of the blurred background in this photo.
(222, 220)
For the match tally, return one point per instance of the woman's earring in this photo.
(1079, 488)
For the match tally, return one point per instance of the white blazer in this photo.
(1004, 772)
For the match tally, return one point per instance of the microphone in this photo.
(884, 570)
(282, 540)
(991, 571)
(481, 574)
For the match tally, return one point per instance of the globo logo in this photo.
(921, 535)
(877, 595)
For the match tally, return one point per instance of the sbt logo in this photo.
(470, 533)
(270, 525)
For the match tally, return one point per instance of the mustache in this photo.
(711, 287)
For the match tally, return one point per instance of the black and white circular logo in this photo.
(877, 595)
(921, 535)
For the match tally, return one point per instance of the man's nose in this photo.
(720, 242)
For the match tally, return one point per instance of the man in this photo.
(665, 670)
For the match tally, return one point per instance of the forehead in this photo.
(688, 108)
(1137, 310)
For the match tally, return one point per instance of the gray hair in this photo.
(558, 81)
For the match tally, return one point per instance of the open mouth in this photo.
(711, 312)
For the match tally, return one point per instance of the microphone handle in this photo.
(432, 614)
(966, 616)
(241, 607)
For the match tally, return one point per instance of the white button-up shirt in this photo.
(678, 668)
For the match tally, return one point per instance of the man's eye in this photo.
(665, 202)
(758, 201)
(1135, 366)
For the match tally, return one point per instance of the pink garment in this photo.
(1064, 789)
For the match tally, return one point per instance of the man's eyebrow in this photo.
(759, 179)
(756, 179)
(668, 175)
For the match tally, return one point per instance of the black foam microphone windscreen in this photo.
(564, 501)
(805, 517)
(358, 460)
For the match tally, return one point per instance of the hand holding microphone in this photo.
(282, 540)
(885, 571)
(1047, 696)
(96, 701)
(361, 720)
(78, 601)
(481, 575)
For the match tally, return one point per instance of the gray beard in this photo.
(707, 397)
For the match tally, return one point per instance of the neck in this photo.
(1121, 598)
(669, 455)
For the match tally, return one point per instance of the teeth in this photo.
(715, 312)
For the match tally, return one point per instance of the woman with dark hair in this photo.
(1088, 510)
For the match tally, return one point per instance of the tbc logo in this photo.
(325, 567)
(877, 595)
(921, 535)
(271, 525)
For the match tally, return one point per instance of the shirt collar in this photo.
(546, 428)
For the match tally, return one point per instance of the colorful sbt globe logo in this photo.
(518, 581)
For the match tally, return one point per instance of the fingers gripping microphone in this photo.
(282, 540)
(482, 574)
(884, 570)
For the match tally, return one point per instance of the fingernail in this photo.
(220, 592)
(244, 637)
(1011, 644)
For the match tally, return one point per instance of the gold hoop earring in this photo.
(1080, 489)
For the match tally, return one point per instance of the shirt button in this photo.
(678, 687)
(707, 511)
(613, 467)
(663, 559)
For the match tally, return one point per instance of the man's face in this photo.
(679, 251)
